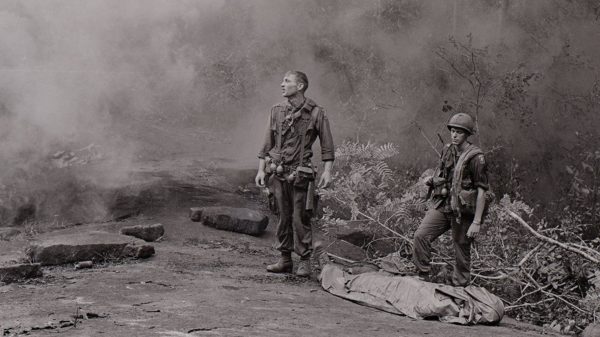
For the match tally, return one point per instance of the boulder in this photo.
(17, 272)
(88, 246)
(359, 235)
(240, 220)
(148, 233)
(354, 233)
(138, 251)
(196, 214)
(8, 232)
(592, 330)
(346, 250)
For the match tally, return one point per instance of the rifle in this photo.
(427, 139)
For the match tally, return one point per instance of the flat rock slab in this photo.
(148, 233)
(240, 220)
(8, 232)
(18, 272)
(88, 246)
(346, 250)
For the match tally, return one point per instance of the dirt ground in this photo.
(201, 282)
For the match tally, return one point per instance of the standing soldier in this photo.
(459, 188)
(285, 159)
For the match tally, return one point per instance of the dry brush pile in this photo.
(543, 269)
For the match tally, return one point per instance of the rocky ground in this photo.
(200, 281)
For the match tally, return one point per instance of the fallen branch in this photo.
(558, 297)
(531, 292)
(528, 255)
(409, 241)
(502, 276)
(587, 249)
(510, 307)
(340, 258)
(550, 240)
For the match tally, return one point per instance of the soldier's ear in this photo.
(300, 86)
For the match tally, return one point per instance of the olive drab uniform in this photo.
(287, 151)
(453, 202)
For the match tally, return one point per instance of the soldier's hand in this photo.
(325, 180)
(473, 230)
(260, 179)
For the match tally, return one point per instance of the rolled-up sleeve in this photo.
(269, 140)
(325, 137)
(480, 175)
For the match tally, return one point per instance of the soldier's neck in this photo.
(296, 100)
(462, 147)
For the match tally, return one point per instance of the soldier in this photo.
(459, 188)
(285, 163)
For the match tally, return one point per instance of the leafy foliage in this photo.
(368, 190)
(538, 281)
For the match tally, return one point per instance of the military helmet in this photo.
(462, 121)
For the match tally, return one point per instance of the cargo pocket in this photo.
(468, 201)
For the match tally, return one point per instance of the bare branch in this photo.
(510, 307)
(409, 241)
(550, 240)
(456, 70)
(531, 252)
(552, 294)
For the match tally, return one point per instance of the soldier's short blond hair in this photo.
(300, 77)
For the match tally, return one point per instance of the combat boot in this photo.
(303, 268)
(284, 265)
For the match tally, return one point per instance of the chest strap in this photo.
(457, 176)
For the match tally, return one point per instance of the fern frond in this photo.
(383, 171)
(385, 151)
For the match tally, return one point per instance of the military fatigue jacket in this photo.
(474, 175)
(289, 124)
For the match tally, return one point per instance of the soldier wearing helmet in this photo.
(459, 189)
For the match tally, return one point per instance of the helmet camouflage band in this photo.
(462, 121)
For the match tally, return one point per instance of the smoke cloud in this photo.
(97, 72)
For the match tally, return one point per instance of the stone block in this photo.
(147, 233)
(346, 250)
(8, 232)
(89, 246)
(196, 214)
(17, 272)
(138, 252)
(240, 220)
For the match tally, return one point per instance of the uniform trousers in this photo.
(434, 224)
(294, 232)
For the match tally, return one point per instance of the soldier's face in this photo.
(458, 136)
(290, 86)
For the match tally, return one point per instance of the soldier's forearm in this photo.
(261, 165)
(479, 205)
(328, 166)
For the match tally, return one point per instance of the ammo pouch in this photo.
(304, 176)
(438, 185)
(468, 201)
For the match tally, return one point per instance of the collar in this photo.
(307, 107)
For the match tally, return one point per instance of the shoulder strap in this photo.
(279, 121)
(457, 176)
(313, 117)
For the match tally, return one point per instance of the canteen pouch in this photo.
(304, 175)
